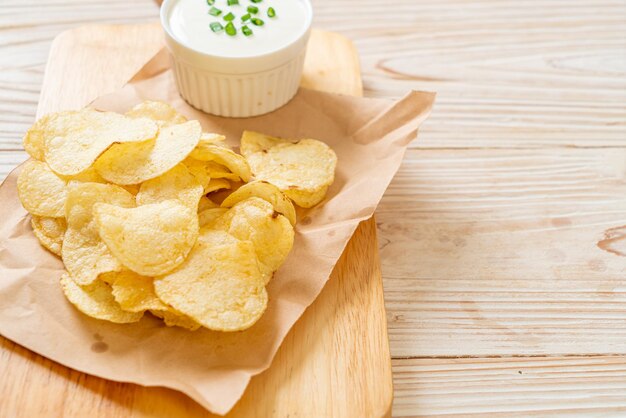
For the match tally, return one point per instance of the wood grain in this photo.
(511, 387)
(489, 232)
(504, 241)
(512, 74)
(82, 50)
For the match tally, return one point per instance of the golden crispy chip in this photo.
(218, 171)
(206, 203)
(205, 171)
(219, 285)
(162, 113)
(307, 199)
(131, 188)
(172, 318)
(87, 256)
(211, 139)
(88, 176)
(151, 239)
(40, 190)
(267, 192)
(81, 198)
(34, 140)
(217, 184)
(176, 184)
(199, 170)
(133, 292)
(49, 126)
(209, 215)
(89, 133)
(137, 162)
(301, 170)
(224, 156)
(43, 192)
(49, 232)
(96, 300)
(255, 220)
(84, 254)
(206, 141)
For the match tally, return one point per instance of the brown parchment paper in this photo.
(369, 136)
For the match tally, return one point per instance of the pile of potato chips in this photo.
(149, 213)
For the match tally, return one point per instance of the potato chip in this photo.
(87, 134)
(176, 184)
(205, 171)
(172, 318)
(255, 220)
(217, 184)
(34, 140)
(81, 198)
(88, 176)
(40, 190)
(49, 232)
(218, 171)
(224, 156)
(210, 215)
(211, 139)
(84, 254)
(267, 192)
(96, 300)
(43, 192)
(133, 292)
(151, 239)
(199, 170)
(154, 241)
(131, 188)
(206, 203)
(219, 285)
(135, 163)
(48, 126)
(162, 113)
(299, 169)
(87, 256)
(306, 199)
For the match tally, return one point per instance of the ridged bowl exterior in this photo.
(239, 95)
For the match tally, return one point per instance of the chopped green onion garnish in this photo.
(229, 17)
(253, 9)
(215, 11)
(216, 27)
(232, 2)
(256, 1)
(246, 30)
(230, 29)
(271, 12)
(245, 17)
(210, 2)
(257, 22)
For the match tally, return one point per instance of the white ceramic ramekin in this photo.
(237, 86)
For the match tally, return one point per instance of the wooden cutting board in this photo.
(335, 362)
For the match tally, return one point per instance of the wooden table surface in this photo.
(503, 259)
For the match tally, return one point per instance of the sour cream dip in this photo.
(190, 22)
(237, 58)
